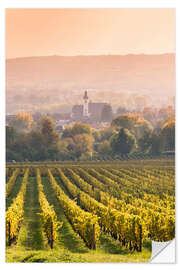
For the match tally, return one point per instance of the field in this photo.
(87, 211)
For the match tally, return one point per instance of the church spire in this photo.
(85, 95)
(86, 105)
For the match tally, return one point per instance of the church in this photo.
(88, 110)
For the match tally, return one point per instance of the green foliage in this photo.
(11, 135)
(168, 135)
(96, 135)
(156, 144)
(125, 121)
(80, 142)
(76, 129)
(37, 144)
(107, 133)
(145, 142)
(104, 148)
(67, 133)
(123, 142)
(80, 128)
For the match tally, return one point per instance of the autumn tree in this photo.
(83, 145)
(23, 122)
(81, 128)
(49, 134)
(137, 125)
(104, 148)
(77, 141)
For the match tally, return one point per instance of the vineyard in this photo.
(88, 212)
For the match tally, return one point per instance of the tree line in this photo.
(128, 133)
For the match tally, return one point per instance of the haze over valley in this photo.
(56, 83)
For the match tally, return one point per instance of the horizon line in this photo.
(82, 55)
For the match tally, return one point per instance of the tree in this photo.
(83, 145)
(22, 147)
(104, 148)
(96, 135)
(11, 135)
(106, 114)
(123, 142)
(78, 141)
(145, 142)
(168, 135)
(149, 114)
(141, 128)
(107, 133)
(156, 144)
(37, 143)
(35, 139)
(125, 121)
(50, 135)
(80, 128)
(12, 155)
(23, 122)
(65, 148)
(67, 133)
(134, 123)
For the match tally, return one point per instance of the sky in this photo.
(42, 32)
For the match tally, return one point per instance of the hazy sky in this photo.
(36, 32)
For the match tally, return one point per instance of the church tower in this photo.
(85, 106)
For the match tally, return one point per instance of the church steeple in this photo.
(85, 106)
(85, 95)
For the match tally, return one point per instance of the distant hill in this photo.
(51, 79)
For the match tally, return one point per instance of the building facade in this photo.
(88, 110)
